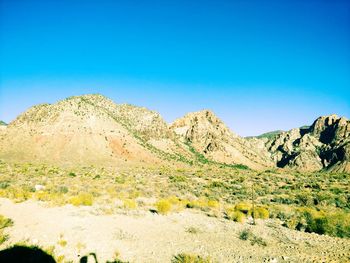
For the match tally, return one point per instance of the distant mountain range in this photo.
(92, 129)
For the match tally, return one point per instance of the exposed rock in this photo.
(323, 145)
(211, 137)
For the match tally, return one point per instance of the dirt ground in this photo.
(142, 236)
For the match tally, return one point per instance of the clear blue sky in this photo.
(260, 65)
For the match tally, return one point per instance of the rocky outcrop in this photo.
(209, 136)
(323, 145)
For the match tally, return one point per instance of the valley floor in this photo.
(141, 236)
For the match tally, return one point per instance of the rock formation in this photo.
(211, 137)
(323, 145)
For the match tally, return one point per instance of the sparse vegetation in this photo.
(81, 199)
(318, 221)
(190, 258)
(217, 190)
(193, 230)
(129, 204)
(4, 223)
(247, 234)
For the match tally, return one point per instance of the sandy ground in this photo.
(142, 236)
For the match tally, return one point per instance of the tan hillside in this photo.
(88, 129)
(211, 137)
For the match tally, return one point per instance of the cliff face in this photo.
(324, 145)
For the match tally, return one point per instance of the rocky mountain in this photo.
(208, 135)
(323, 145)
(92, 129)
(89, 129)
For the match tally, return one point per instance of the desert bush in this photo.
(190, 258)
(320, 222)
(4, 222)
(63, 189)
(177, 178)
(235, 215)
(260, 212)
(177, 204)
(304, 199)
(244, 234)
(213, 204)
(258, 240)
(81, 199)
(4, 184)
(72, 174)
(247, 234)
(163, 206)
(18, 194)
(244, 208)
(120, 180)
(202, 204)
(193, 230)
(129, 204)
(316, 221)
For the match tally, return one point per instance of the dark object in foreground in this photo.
(21, 254)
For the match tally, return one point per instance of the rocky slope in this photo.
(208, 135)
(89, 129)
(323, 145)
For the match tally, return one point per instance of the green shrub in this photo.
(317, 221)
(247, 234)
(71, 174)
(63, 189)
(4, 222)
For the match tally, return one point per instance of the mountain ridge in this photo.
(93, 129)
